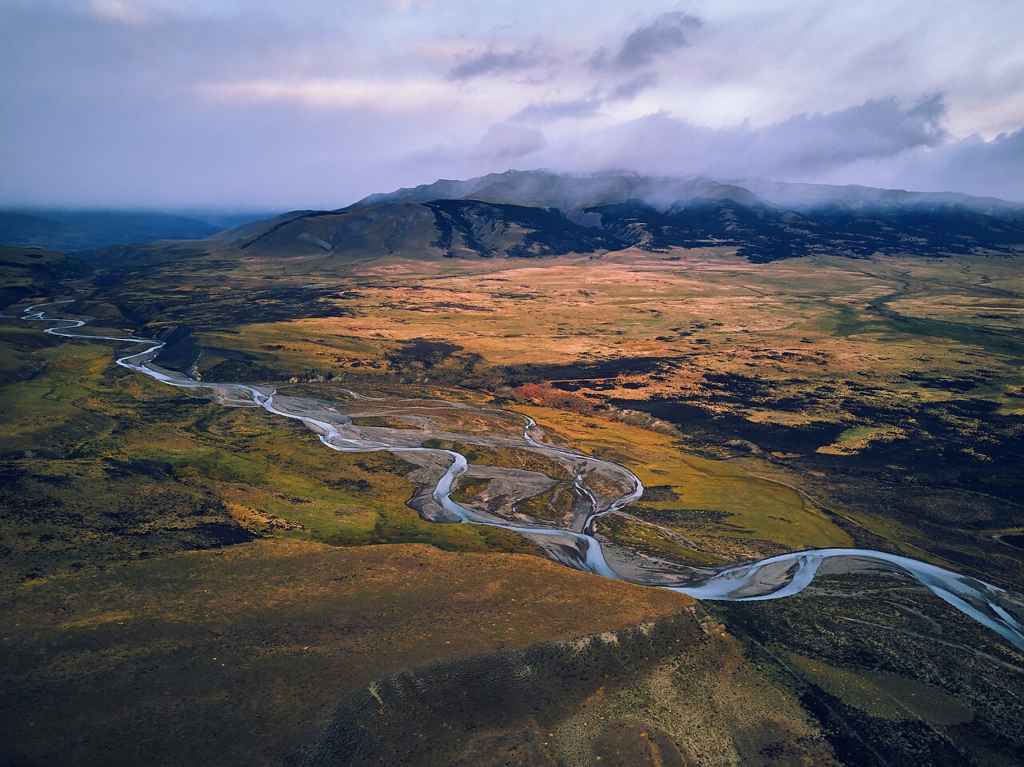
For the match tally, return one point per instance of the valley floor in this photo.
(214, 582)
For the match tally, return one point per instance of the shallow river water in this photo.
(772, 578)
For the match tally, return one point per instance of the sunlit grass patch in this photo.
(859, 437)
(756, 508)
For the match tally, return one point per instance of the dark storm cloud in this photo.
(643, 45)
(878, 128)
(491, 62)
(796, 148)
(971, 165)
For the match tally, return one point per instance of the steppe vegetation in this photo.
(850, 379)
(804, 403)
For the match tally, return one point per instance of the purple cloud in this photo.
(644, 44)
(491, 62)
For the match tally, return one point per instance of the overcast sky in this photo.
(263, 104)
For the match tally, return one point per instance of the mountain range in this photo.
(532, 214)
(524, 214)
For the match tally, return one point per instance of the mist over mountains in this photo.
(80, 230)
(571, 192)
(542, 213)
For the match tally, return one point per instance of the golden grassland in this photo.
(792, 324)
(129, 508)
(847, 350)
(277, 479)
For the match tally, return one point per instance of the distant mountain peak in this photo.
(573, 192)
(567, 192)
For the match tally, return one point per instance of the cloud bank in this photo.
(797, 148)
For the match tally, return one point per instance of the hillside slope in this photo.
(33, 272)
(435, 229)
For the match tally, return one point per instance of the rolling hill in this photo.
(433, 229)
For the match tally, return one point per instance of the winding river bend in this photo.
(772, 578)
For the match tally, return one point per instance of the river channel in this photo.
(772, 578)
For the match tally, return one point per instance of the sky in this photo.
(267, 105)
